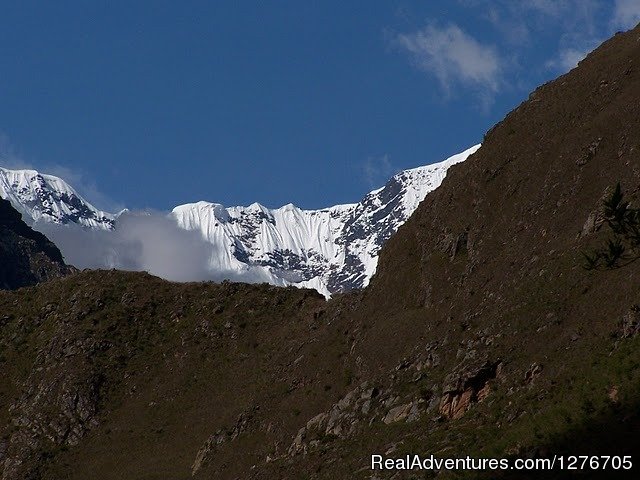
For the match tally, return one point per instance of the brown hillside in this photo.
(486, 279)
(506, 228)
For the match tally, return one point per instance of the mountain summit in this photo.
(332, 250)
(47, 198)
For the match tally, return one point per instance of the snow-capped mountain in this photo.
(331, 250)
(47, 198)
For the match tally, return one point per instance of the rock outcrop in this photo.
(467, 385)
(27, 257)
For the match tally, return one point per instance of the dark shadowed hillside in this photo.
(481, 334)
(26, 256)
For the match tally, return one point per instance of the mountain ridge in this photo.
(43, 197)
(332, 250)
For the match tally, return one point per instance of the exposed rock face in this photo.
(222, 436)
(401, 412)
(342, 419)
(468, 385)
(534, 371)
(369, 404)
(58, 406)
(27, 257)
(631, 322)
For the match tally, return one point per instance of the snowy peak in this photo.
(333, 249)
(48, 198)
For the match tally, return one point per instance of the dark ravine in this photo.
(481, 334)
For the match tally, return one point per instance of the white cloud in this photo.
(9, 158)
(626, 14)
(567, 59)
(13, 159)
(141, 241)
(86, 187)
(377, 170)
(145, 241)
(455, 58)
(577, 26)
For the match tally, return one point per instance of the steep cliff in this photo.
(27, 257)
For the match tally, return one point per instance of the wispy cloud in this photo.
(144, 241)
(576, 22)
(86, 186)
(454, 58)
(566, 59)
(552, 8)
(377, 170)
(520, 20)
(9, 157)
(512, 28)
(578, 26)
(626, 14)
(539, 14)
(12, 158)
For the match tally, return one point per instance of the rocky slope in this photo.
(26, 257)
(480, 334)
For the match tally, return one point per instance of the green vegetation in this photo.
(623, 245)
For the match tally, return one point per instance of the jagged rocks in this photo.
(207, 449)
(453, 245)
(75, 411)
(588, 152)
(71, 406)
(339, 421)
(534, 371)
(591, 223)
(61, 397)
(398, 413)
(466, 386)
(220, 437)
(361, 406)
(596, 217)
(51, 199)
(631, 323)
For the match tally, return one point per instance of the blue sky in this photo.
(154, 103)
